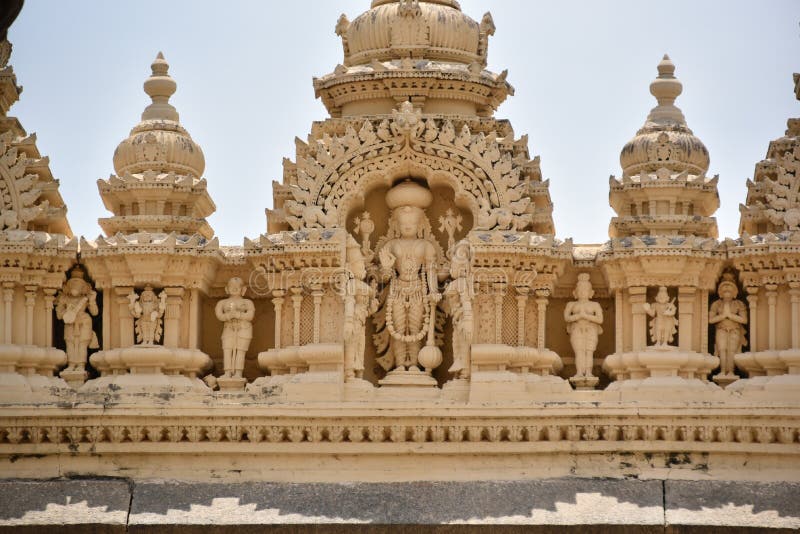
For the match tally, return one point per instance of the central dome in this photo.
(434, 29)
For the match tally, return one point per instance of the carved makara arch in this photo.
(333, 171)
(19, 194)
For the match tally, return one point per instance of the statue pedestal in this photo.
(651, 372)
(410, 378)
(148, 369)
(456, 390)
(230, 383)
(725, 380)
(584, 382)
(26, 372)
(771, 373)
(74, 378)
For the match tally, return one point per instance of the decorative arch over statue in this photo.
(486, 172)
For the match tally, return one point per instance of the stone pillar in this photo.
(619, 318)
(522, 304)
(194, 318)
(704, 321)
(498, 290)
(316, 294)
(752, 300)
(172, 317)
(685, 317)
(772, 300)
(541, 316)
(277, 303)
(794, 295)
(49, 300)
(30, 302)
(637, 297)
(126, 337)
(297, 302)
(8, 317)
(106, 326)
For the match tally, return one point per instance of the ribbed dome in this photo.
(436, 30)
(159, 143)
(665, 141)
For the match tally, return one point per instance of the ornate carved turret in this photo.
(427, 51)
(664, 189)
(158, 186)
(773, 196)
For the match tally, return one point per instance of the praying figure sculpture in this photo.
(359, 303)
(408, 262)
(75, 305)
(148, 310)
(584, 319)
(458, 303)
(236, 312)
(729, 315)
(664, 324)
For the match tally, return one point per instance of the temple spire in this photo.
(159, 87)
(666, 88)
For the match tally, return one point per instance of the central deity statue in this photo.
(409, 258)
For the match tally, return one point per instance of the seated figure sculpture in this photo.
(584, 319)
(408, 263)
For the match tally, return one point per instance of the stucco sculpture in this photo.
(664, 324)
(413, 312)
(458, 301)
(76, 305)
(360, 303)
(148, 310)
(584, 320)
(408, 264)
(237, 313)
(729, 317)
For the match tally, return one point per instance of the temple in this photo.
(410, 313)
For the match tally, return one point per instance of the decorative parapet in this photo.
(159, 259)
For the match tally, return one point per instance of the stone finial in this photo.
(666, 88)
(160, 86)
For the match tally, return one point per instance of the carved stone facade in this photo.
(410, 288)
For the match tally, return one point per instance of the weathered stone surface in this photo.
(755, 505)
(545, 502)
(92, 505)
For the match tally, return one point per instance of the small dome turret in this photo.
(665, 141)
(159, 142)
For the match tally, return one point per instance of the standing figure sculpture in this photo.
(148, 310)
(236, 312)
(408, 262)
(584, 319)
(359, 303)
(458, 303)
(450, 223)
(75, 305)
(729, 315)
(664, 324)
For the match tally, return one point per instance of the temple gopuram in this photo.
(410, 346)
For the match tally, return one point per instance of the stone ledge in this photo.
(552, 505)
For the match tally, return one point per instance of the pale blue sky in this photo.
(581, 70)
